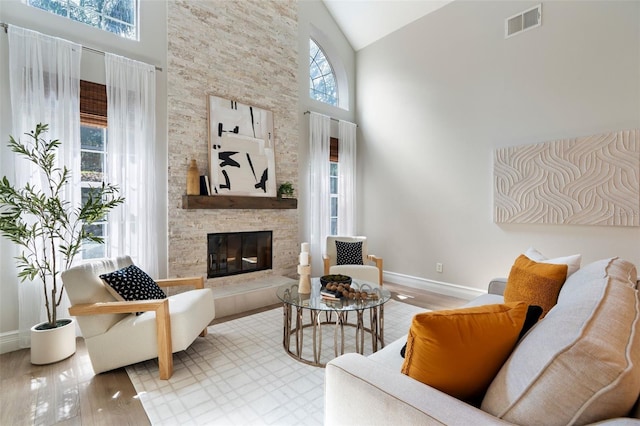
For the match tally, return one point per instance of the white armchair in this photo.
(370, 270)
(115, 336)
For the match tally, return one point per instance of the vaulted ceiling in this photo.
(366, 21)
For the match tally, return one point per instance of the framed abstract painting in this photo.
(241, 149)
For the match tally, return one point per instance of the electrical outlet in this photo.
(438, 267)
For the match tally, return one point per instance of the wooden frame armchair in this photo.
(115, 337)
(366, 271)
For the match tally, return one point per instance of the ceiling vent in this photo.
(523, 21)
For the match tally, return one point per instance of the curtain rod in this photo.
(331, 118)
(90, 49)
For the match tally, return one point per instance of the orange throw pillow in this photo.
(460, 351)
(535, 283)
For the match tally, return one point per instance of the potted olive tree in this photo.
(50, 232)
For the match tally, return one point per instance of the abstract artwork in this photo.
(592, 180)
(241, 149)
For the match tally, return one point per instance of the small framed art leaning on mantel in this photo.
(241, 149)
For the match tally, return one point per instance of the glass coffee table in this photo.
(324, 313)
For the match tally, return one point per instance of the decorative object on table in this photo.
(51, 232)
(334, 278)
(193, 179)
(334, 290)
(285, 190)
(304, 270)
(241, 149)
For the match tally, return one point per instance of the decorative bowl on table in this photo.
(335, 279)
(335, 286)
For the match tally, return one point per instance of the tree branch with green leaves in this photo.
(43, 223)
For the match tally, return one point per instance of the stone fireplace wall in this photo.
(246, 51)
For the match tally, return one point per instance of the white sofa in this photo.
(580, 364)
(115, 336)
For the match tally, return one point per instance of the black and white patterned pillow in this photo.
(348, 253)
(132, 283)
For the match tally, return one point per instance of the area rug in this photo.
(240, 374)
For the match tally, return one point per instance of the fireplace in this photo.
(232, 253)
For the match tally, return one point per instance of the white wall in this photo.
(435, 99)
(315, 20)
(152, 48)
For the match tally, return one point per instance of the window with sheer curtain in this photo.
(333, 186)
(93, 159)
(331, 182)
(118, 149)
(44, 80)
(131, 100)
(346, 178)
(45, 87)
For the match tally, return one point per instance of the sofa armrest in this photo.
(326, 264)
(125, 307)
(196, 282)
(375, 259)
(359, 390)
(378, 261)
(497, 286)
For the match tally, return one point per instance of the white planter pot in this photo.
(53, 345)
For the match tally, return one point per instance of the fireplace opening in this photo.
(232, 253)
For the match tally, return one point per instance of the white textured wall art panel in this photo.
(591, 180)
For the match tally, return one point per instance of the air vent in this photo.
(529, 19)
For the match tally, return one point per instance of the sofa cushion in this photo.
(460, 351)
(533, 314)
(581, 363)
(573, 261)
(368, 273)
(535, 283)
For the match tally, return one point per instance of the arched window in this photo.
(323, 85)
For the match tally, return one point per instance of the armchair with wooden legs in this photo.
(369, 268)
(115, 336)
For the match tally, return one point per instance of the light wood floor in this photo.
(69, 393)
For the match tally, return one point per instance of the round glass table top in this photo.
(376, 296)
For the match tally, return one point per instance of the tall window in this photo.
(333, 186)
(93, 157)
(117, 16)
(323, 86)
(333, 177)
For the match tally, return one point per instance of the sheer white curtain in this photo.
(131, 100)
(319, 133)
(346, 178)
(44, 81)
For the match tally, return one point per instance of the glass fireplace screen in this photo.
(231, 253)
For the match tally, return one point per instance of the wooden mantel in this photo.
(236, 202)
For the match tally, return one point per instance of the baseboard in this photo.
(9, 341)
(447, 289)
